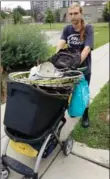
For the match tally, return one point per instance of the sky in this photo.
(14, 4)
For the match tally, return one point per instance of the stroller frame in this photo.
(8, 162)
(28, 173)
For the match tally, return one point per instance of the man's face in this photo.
(75, 15)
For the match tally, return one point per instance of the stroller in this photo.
(35, 116)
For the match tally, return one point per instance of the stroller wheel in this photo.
(4, 172)
(67, 146)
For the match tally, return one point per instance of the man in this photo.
(80, 37)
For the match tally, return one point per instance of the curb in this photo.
(97, 156)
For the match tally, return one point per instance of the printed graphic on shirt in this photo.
(73, 39)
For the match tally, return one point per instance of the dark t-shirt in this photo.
(72, 39)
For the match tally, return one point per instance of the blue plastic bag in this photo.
(80, 98)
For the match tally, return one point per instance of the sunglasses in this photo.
(75, 13)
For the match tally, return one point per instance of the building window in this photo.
(64, 3)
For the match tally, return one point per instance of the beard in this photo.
(75, 21)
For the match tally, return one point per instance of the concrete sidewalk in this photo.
(53, 37)
(100, 69)
(72, 166)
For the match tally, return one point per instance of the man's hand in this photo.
(61, 45)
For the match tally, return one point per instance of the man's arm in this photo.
(63, 39)
(85, 53)
(61, 45)
(89, 43)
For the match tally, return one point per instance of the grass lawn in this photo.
(54, 26)
(97, 136)
(101, 34)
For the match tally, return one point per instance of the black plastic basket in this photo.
(30, 110)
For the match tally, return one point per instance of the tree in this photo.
(49, 17)
(35, 15)
(17, 17)
(29, 12)
(3, 14)
(57, 15)
(21, 11)
(106, 12)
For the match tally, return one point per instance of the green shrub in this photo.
(17, 17)
(106, 12)
(22, 46)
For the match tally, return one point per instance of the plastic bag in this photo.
(33, 73)
(79, 99)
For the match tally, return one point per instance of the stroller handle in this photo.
(81, 69)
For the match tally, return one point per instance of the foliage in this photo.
(57, 15)
(21, 11)
(22, 46)
(28, 12)
(49, 17)
(106, 12)
(17, 17)
(3, 15)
